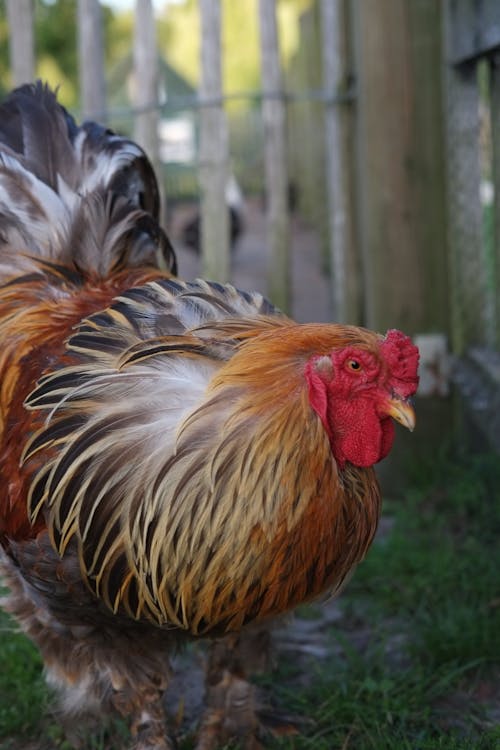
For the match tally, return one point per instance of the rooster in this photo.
(179, 460)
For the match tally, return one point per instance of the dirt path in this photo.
(250, 261)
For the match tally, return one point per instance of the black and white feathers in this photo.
(73, 195)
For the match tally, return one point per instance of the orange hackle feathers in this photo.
(37, 314)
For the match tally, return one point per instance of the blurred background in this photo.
(340, 156)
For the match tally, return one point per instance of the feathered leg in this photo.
(147, 717)
(104, 689)
(93, 670)
(231, 706)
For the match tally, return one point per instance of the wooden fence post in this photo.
(213, 166)
(21, 41)
(344, 264)
(400, 164)
(275, 155)
(145, 89)
(91, 60)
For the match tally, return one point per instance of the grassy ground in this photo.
(410, 659)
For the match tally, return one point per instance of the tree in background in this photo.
(56, 45)
(178, 33)
(179, 39)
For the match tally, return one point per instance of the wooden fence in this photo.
(425, 122)
(392, 132)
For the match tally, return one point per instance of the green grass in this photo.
(22, 691)
(414, 657)
(429, 597)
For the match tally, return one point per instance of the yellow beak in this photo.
(402, 412)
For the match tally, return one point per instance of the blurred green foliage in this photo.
(178, 34)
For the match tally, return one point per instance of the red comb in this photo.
(401, 356)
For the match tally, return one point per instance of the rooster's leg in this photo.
(231, 710)
(141, 704)
(147, 717)
(116, 678)
(95, 668)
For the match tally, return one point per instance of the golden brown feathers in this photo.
(190, 468)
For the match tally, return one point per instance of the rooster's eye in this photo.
(353, 365)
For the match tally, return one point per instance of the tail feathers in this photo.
(37, 129)
(61, 183)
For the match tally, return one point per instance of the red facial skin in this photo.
(351, 389)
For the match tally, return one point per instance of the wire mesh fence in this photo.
(473, 137)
